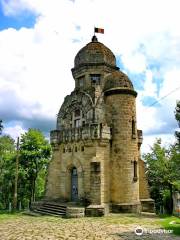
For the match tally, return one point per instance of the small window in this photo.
(95, 167)
(95, 79)
(64, 150)
(83, 123)
(82, 148)
(135, 170)
(77, 113)
(77, 123)
(75, 149)
(81, 81)
(133, 129)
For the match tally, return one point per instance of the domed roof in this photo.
(118, 79)
(93, 53)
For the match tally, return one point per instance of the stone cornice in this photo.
(120, 91)
(85, 65)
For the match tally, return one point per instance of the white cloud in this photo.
(159, 120)
(148, 141)
(14, 131)
(35, 63)
(135, 62)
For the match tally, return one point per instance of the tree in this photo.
(7, 170)
(1, 127)
(163, 167)
(177, 116)
(35, 152)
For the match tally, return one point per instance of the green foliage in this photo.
(163, 168)
(35, 152)
(166, 223)
(167, 200)
(7, 170)
(40, 183)
(177, 113)
(177, 185)
(6, 144)
(1, 127)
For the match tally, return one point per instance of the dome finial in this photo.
(94, 39)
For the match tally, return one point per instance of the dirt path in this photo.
(32, 228)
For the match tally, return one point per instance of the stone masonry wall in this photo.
(92, 181)
(120, 112)
(143, 184)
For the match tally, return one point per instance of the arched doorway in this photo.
(74, 184)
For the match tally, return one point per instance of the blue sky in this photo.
(40, 38)
(25, 19)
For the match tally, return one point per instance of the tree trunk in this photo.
(171, 198)
(33, 190)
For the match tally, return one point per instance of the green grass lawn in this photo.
(4, 215)
(166, 221)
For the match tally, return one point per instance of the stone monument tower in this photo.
(96, 144)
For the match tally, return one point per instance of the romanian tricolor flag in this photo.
(99, 30)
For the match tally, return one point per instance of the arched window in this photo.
(74, 171)
(74, 184)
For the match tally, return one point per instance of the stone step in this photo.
(48, 212)
(52, 209)
(31, 213)
(148, 214)
(55, 204)
(63, 208)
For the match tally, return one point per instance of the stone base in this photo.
(96, 210)
(126, 208)
(75, 212)
(147, 205)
